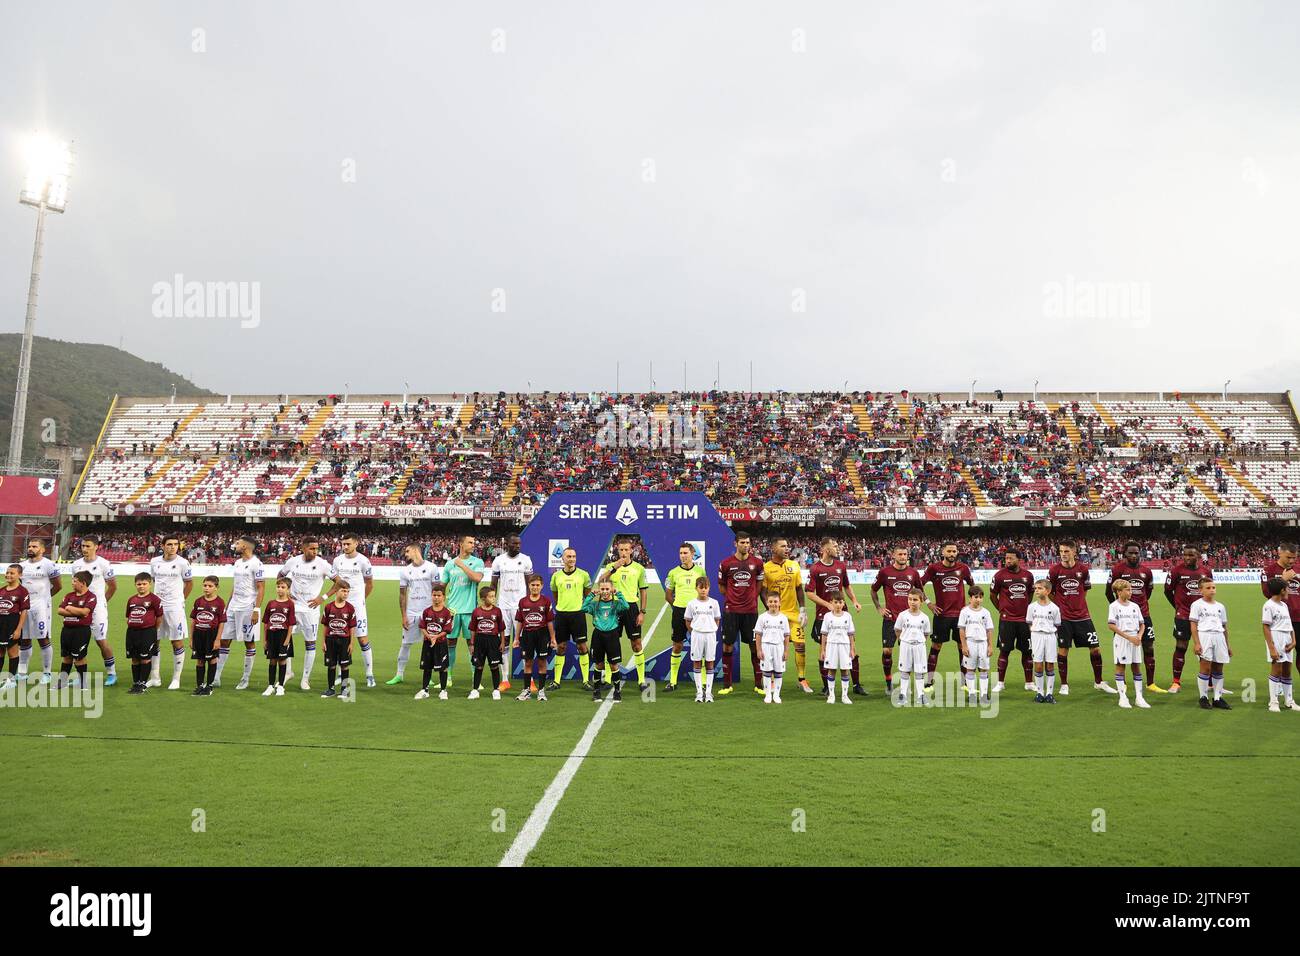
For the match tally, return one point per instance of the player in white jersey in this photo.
(414, 589)
(1279, 642)
(974, 625)
(772, 635)
(913, 629)
(42, 580)
(838, 647)
(511, 569)
(703, 616)
(307, 573)
(243, 613)
(1043, 617)
(172, 583)
(354, 567)
(1209, 621)
(103, 584)
(1129, 627)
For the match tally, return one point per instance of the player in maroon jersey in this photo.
(830, 575)
(1012, 590)
(949, 578)
(278, 622)
(897, 580)
(740, 576)
(1070, 583)
(76, 609)
(1182, 588)
(209, 617)
(143, 612)
(1284, 568)
(14, 605)
(338, 622)
(534, 635)
(1139, 578)
(487, 628)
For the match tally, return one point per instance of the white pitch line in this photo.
(536, 823)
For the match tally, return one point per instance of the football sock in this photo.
(155, 667)
(1119, 683)
(478, 677)
(442, 678)
(801, 660)
(13, 664)
(1137, 685)
(854, 669)
(1095, 656)
(1180, 655)
(198, 673)
(1149, 661)
(1274, 688)
(496, 676)
(24, 655)
(451, 656)
(708, 677)
(1049, 683)
(222, 656)
(404, 655)
(47, 656)
(1003, 660)
(178, 664)
(271, 670)
(970, 682)
(826, 681)
(584, 666)
(81, 674)
(428, 676)
(309, 659)
(887, 665)
(555, 665)
(1040, 681)
(933, 663)
(329, 675)
(726, 666)
(110, 664)
(250, 658)
(639, 659)
(919, 681)
(1286, 689)
(368, 656)
(1063, 667)
(754, 664)
(844, 687)
(1027, 662)
(1218, 685)
(674, 666)
(1203, 683)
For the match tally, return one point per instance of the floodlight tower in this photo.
(45, 186)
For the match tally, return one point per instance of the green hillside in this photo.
(72, 383)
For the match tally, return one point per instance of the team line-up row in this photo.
(439, 606)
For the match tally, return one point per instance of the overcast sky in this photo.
(1097, 195)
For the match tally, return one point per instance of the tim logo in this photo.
(76, 909)
(626, 513)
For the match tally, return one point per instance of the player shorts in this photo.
(838, 657)
(460, 627)
(1077, 634)
(203, 645)
(978, 658)
(738, 623)
(99, 621)
(512, 626)
(363, 622)
(773, 658)
(74, 641)
(888, 636)
(1013, 636)
(680, 629)
(606, 646)
(1280, 641)
(535, 644)
(570, 626)
(37, 625)
(279, 645)
(486, 650)
(1148, 631)
(9, 631)
(704, 646)
(412, 635)
(1042, 645)
(913, 658)
(306, 622)
(141, 643)
(627, 621)
(1214, 647)
(172, 626)
(945, 629)
(1182, 630)
(796, 629)
(1125, 651)
(240, 626)
(433, 657)
(338, 652)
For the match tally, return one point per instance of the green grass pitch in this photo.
(238, 779)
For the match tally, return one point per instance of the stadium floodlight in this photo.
(1225, 389)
